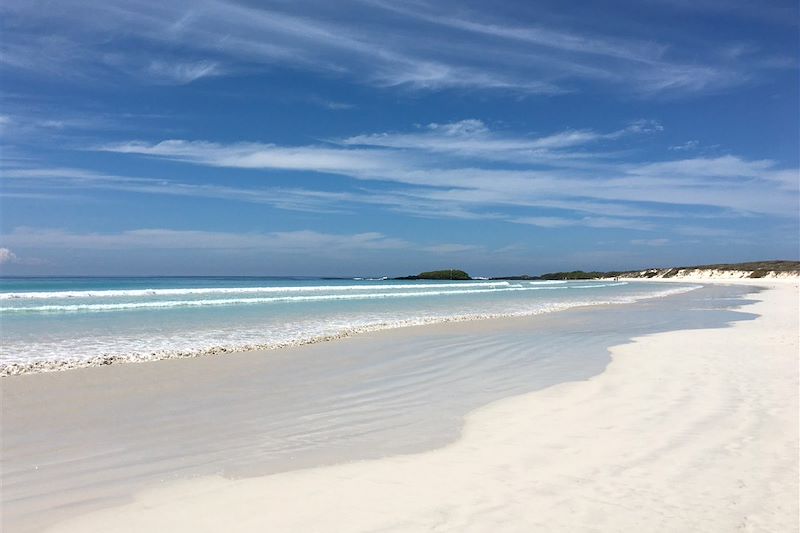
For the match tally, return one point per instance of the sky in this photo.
(368, 137)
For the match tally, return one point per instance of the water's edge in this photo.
(232, 404)
(54, 365)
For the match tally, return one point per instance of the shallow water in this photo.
(246, 414)
(53, 323)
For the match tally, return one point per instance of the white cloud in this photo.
(644, 126)
(182, 72)
(650, 242)
(687, 146)
(434, 45)
(288, 242)
(565, 184)
(387, 155)
(331, 104)
(451, 248)
(589, 222)
(301, 243)
(470, 126)
(722, 167)
(256, 155)
(558, 169)
(7, 256)
(471, 138)
(547, 222)
(159, 238)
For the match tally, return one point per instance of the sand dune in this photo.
(685, 431)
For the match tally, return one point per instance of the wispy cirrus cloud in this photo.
(160, 238)
(686, 146)
(650, 242)
(182, 72)
(721, 168)
(559, 170)
(28, 126)
(427, 46)
(298, 252)
(567, 179)
(333, 105)
(65, 181)
(7, 256)
(151, 242)
(422, 148)
(589, 222)
(258, 155)
(471, 138)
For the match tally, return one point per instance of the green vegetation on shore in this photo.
(759, 269)
(451, 274)
(770, 266)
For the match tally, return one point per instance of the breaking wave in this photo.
(374, 295)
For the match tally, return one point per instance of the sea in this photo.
(64, 322)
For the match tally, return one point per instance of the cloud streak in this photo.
(152, 242)
(159, 238)
(557, 181)
(7, 256)
(433, 46)
(456, 165)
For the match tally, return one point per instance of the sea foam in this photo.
(74, 352)
(275, 299)
(125, 293)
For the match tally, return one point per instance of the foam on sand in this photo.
(22, 359)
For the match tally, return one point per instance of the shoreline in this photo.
(145, 406)
(711, 448)
(43, 366)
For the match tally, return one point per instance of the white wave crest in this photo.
(124, 293)
(236, 301)
(55, 361)
(166, 304)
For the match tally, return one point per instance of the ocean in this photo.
(57, 323)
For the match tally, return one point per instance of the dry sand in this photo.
(685, 431)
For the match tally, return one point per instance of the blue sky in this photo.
(375, 137)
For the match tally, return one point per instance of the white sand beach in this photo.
(684, 431)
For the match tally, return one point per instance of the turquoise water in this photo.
(51, 323)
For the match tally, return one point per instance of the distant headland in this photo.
(753, 269)
(451, 274)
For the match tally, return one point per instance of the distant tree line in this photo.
(451, 274)
(758, 269)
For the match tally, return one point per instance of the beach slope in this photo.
(685, 431)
